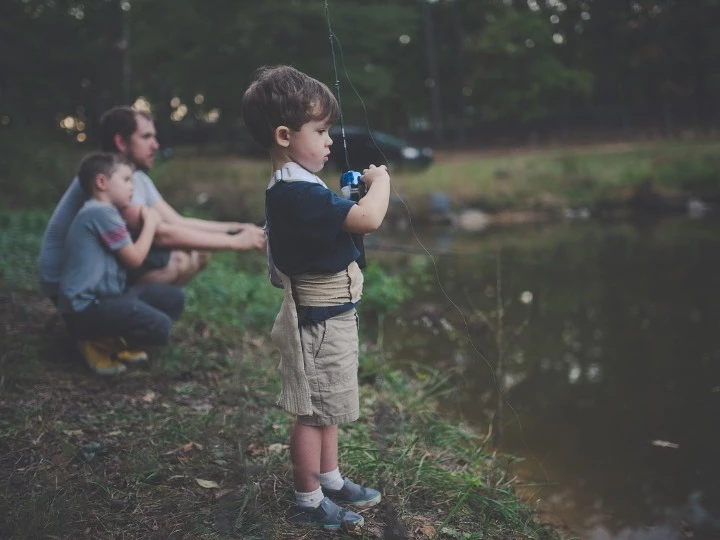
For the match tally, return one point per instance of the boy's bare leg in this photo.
(181, 268)
(306, 446)
(329, 450)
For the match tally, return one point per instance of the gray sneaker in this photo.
(351, 493)
(328, 516)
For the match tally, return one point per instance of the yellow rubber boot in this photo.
(130, 356)
(98, 356)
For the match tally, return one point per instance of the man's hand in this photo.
(236, 228)
(249, 237)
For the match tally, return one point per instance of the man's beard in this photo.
(141, 166)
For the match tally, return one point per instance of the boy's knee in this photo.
(163, 327)
(176, 303)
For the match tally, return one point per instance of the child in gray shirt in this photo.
(93, 296)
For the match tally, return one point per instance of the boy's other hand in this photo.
(249, 237)
(150, 216)
(373, 173)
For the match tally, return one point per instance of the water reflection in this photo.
(620, 356)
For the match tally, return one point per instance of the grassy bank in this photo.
(601, 178)
(194, 447)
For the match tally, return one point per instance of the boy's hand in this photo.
(250, 237)
(373, 173)
(150, 216)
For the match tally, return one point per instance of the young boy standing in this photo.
(312, 253)
(93, 298)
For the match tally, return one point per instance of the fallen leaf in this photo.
(427, 530)
(59, 460)
(255, 449)
(664, 444)
(207, 484)
(149, 396)
(277, 448)
(202, 406)
(185, 448)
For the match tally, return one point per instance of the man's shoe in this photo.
(127, 355)
(98, 358)
(329, 516)
(351, 493)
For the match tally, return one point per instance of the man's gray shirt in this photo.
(51, 252)
(90, 268)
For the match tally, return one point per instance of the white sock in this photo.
(311, 499)
(332, 479)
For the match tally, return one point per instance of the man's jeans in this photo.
(142, 316)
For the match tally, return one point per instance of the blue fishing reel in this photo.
(351, 186)
(354, 189)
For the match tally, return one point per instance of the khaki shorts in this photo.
(330, 354)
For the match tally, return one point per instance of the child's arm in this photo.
(132, 255)
(368, 214)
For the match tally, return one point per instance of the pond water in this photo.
(610, 347)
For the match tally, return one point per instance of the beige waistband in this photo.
(321, 290)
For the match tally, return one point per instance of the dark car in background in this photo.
(367, 147)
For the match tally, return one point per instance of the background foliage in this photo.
(452, 72)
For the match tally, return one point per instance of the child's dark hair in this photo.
(284, 96)
(119, 121)
(96, 163)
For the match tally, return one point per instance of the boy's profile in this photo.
(312, 253)
(93, 297)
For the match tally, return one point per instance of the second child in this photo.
(94, 299)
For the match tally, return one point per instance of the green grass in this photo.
(194, 446)
(526, 180)
(522, 179)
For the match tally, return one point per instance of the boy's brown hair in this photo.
(96, 163)
(284, 96)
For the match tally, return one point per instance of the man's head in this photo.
(283, 96)
(107, 176)
(131, 133)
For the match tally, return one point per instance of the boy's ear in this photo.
(120, 143)
(282, 136)
(101, 182)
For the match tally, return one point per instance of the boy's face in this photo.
(143, 144)
(310, 146)
(119, 186)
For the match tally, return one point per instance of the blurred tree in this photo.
(213, 48)
(511, 61)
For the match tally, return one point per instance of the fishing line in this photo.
(331, 35)
(334, 39)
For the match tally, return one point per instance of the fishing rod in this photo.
(351, 185)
